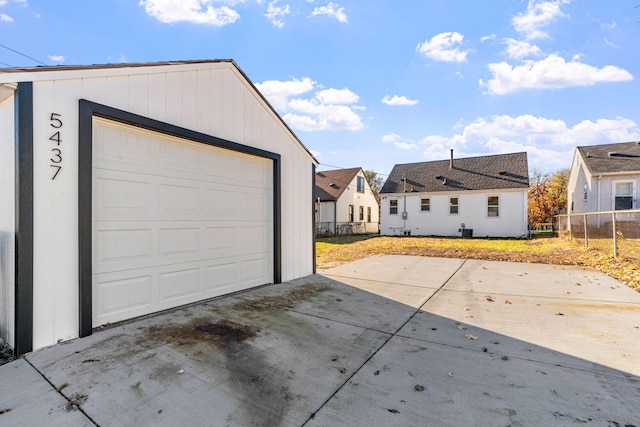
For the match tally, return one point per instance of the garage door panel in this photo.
(181, 199)
(121, 296)
(123, 196)
(175, 222)
(183, 284)
(124, 245)
(179, 241)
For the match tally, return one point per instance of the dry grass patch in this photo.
(334, 251)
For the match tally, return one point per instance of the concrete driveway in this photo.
(384, 341)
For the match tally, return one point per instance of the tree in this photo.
(375, 181)
(547, 196)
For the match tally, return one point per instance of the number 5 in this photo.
(55, 121)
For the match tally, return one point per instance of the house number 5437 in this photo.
(56, 152)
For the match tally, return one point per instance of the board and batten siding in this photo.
(7, 220)
(210, 98)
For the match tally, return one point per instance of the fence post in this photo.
(586, 236)
(615, 237)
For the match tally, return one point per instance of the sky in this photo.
(373, 83)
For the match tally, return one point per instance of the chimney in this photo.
(451, 161)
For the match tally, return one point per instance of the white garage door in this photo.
(174, 221)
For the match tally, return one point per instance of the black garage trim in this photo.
(313, 215)
(23, 326)
(88, 110)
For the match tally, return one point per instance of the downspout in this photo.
(335, 217)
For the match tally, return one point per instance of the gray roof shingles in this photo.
(624, 157)
(502, 171)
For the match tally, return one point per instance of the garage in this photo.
(174, 222)
(138, 188)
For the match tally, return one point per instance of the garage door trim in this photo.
(87, 111)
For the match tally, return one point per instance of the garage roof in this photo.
(10, 75)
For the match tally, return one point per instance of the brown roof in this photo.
(612, 158)
(472, 173)
(331, 184)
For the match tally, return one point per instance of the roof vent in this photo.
(613, 154)
(588, 155)
(502, 172)
(332, 185)
(444, 181)
(439, 177)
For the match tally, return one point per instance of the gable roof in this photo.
(8, 76)
(493, 172)
(611, 158)
(331, 184)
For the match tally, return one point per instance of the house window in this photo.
(493, 203)
(360, 184)
(453, 205)
(393, 207)
(425, 205)
(584, 197)
(350, 213)
(369, 214)
(361, 213)
(623, 195)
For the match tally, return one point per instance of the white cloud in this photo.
(323, 109)
(444, 47)
(399, 142)
(609, 25)
(488, 37)
(279, 92)
(333, 10)
(537, 16)
(5, 18)
(553, 72)
(549, 143)
(194, 11)
(56, 58)
(518, 49)
(398, 100)
(337, 96)
(609, 43)
(276, 13)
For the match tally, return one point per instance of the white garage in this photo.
(139, 188)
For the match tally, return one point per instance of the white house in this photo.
(474, 196)
(604, 178)
(132, 188)
(345, 203)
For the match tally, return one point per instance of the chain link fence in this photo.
(345, 228)
(614, 232)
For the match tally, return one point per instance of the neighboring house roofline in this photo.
(611, 159)
(482, 173)
(331, 184)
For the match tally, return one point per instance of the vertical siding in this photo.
(217, 101)
(7, 221)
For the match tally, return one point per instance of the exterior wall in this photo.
(7, 221)
(472, 211)
(351, 196)
(326, 216)
(211, 98)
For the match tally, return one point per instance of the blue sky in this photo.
(374, 83)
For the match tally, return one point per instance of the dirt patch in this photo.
(288, 300)
(203, 329)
